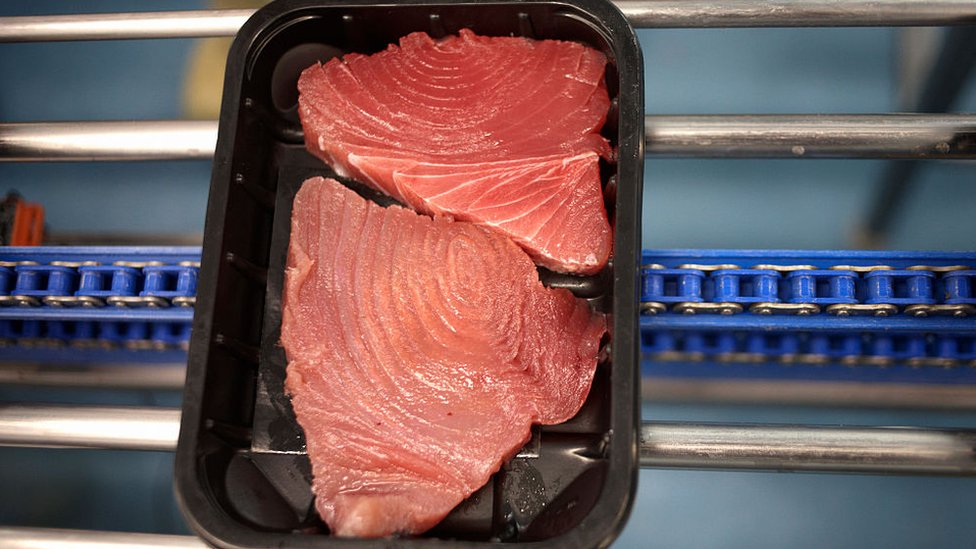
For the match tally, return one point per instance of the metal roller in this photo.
(109, 427)
(950, 136)
(813, 136)
(124, 140)
(796, 13)
(809, 448)
(57, 538)
(100, 376)
(118, 26)
(704, 446)
(641, 13)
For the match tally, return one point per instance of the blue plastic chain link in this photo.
(736, 307)
(866, 309)
(905, 282)
(97, 298)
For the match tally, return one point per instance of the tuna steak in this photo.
(499, 131)
(420, 351)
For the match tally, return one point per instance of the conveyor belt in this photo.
(871, 309)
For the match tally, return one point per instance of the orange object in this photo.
(28, 225)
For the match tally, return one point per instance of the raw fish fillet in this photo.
(499, 131)
(420, 351)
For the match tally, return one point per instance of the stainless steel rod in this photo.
(110, 427)
(123, 140)
(115, 26)
(740, 136)
(706, 446)
(101, 376)
(887, 395)
(809, 448)
(796, 13)
(642, 14)
(57, 538)
(813, 136)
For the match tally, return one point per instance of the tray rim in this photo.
(612, 507)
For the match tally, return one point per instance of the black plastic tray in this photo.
(242, 476)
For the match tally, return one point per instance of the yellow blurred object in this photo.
(204, 83)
